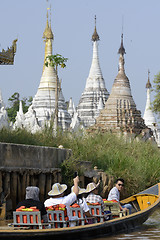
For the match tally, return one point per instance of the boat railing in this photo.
(25, 219)
(114, 208)
(77, 212)
(57, 218)
(96, 211)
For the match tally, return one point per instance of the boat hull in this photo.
(124, 224)
(117, 225)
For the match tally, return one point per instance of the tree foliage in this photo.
(156, 89)
(13, 108)
(55, 61)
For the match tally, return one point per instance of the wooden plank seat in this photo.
(114, 208)
(96, 211)
(27, 219)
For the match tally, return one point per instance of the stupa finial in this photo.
(50, 16)
(121, 49)
(148, 84)
(95, 36)
(48, 31)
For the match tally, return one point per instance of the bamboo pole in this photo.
(7, 187)
(42, 185)
(23, 190)
(1, 185)
(14, 189)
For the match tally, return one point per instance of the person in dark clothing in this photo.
(32, 200)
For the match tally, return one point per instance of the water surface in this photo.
(150, 230)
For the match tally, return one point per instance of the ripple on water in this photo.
(148, 231)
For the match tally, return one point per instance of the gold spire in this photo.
(48, 38)
(95, 36)
(48, 32)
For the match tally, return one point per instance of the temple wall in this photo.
(24, 165)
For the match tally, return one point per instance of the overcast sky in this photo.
(73, 26)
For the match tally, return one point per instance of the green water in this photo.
(150, 230)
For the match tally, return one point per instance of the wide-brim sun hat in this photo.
(57, 189)
(81, 190)
(92, 186)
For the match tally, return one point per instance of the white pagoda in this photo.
(148, 116)
(95, 94)
(42, 110)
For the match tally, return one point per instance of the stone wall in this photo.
(22, 166)
(26, 156)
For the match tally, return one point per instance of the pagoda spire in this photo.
(95, 70)
(121, 51)
(48, 38)
(95, 91)
(148, 84)
(148, 114)
(95, 36)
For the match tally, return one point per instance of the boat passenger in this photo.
(32, 200)
(82, 202)
(93, 196)
(114, 194)
(57, 196)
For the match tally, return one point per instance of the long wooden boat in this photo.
(144, 204)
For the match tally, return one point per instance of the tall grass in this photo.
(137, 162)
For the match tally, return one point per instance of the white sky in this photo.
(73, 26)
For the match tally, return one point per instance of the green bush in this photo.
(137, 162)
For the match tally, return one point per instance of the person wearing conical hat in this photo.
(57, 195)
(93, 196)
(82, 202)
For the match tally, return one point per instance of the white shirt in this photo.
(82, 203)
(114, 194)
(67, 200)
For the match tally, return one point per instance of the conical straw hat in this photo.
(57, 189)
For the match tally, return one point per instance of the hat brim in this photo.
(55, 193)
(82, 190)
(97, 185)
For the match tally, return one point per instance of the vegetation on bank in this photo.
(13, 107)
(137, 162)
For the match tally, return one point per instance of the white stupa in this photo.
(95, 93)
(148, 116)
(43, 104)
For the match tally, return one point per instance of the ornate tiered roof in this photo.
(7, 57)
